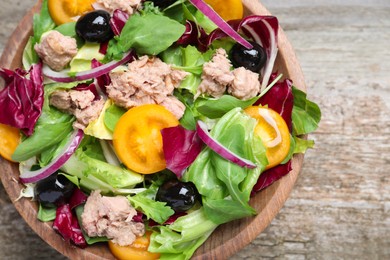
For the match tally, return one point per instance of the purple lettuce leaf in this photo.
(261, 29)
(102, 81)
(22, 98)
(181, 147)
(78, 198)
(193, 35)
(271, 175)
(67, 225)
(91, 87)
(118, 21)
(280, 98)
(103, 48)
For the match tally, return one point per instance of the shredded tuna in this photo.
(56, 50)
(111, 217)
(216, 75)
(245, 84)
(81, 104)
(147, 81)
(128, 6)
(174, 105)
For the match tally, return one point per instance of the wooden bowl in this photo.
(228, 238)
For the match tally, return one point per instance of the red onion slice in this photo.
(217, 147)
(89, 74)
(56, 163)
(224, 26)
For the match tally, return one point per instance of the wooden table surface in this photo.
(340, 206)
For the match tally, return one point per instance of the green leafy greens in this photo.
(225, 187)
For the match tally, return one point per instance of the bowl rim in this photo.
(219, 246)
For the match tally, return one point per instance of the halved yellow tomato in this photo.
(137, 138)
(136, 251)
(227, 9)
(273, 131)
(9, 140)
(62, 11)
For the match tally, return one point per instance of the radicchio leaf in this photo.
(138, 217)
(91, 87)
(280, 98)
(193, 35)
(78, 197)
(181, 147)
(118, 21)
(103, 48)
(264, 31)
(271, 175)
(67, 225)
(102, 81)
(22, 98)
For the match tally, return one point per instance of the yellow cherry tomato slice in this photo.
(137, 139)
(227, 9)
(136, 251)
(62, 11)
(9, 140)
(273, 131)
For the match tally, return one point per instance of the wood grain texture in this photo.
(228, 238)
(340, 205)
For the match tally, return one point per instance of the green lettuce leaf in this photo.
(301, 145)
(52, 128)
(156, 210)
(150, 33)
(46, 214)
(83, 58)
(95, 174)
(306, 114)
(180, 239)
(222, 184)
(112, 115)
(42, 22)
(217, 107)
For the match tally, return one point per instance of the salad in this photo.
(147, 124)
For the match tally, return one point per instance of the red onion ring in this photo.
(56, 163)
(222, 24)
(217, 147)
(89, 74)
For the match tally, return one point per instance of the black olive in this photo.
(54, 190)
(252, 59)
(180, 196)
(163, 3)
(95, 26)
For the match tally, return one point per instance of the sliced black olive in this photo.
(252, 59)
(95, 26)
(180, 196)
(163, 3)
(54, 190)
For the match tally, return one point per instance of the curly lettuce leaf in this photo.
(96, 174)
(156, 210)
(180, 239)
